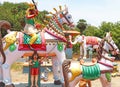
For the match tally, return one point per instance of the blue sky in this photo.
(93, 11)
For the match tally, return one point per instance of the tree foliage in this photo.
(81, 25)
(14, 13)
(100, 31)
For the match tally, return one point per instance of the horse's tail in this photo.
(5, 25)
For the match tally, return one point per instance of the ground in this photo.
(21, 79)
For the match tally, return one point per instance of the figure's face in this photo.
(31, 11)
(35, 57)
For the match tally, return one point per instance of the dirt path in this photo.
(19, 77)
(23, 78)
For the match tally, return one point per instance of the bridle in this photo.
(101, 49)
(113, 49)
(64, 15)
(100, 53)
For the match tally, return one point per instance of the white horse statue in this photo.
(52, 41)
(85, 42)
(100, 68)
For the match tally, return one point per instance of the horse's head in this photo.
(64, 17)
(111, 46)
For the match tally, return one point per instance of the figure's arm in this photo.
(41, 59)
(30, 62)
(70, 39)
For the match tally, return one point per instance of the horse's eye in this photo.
(69, 17)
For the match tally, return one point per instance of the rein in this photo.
(100, 50)
(66, 18)
(105, 64)
(113, 49)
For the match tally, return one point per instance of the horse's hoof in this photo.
(57, 82)
(2, 84)
(11, 85)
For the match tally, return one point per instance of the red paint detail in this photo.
(59, 37)
(105, 64)
(91, 40)
(30, 16)
(41, 46)
(37, 25)
(58, 23)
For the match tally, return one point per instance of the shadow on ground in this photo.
(42, 85)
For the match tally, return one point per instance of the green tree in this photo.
(14, 13)
(81, 24)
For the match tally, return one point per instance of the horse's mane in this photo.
(100, 49)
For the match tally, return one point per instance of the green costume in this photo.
(35, 64)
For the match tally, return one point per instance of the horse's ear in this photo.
(110, 34)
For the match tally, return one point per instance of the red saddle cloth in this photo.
(91, 40)
(22, 46)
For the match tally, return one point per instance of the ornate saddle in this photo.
(90, 69)
(91, 72)
(91, 40)
(39, 44)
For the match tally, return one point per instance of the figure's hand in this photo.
(30, 62)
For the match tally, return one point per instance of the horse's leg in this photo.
(1, 76)
(6, 75)
(55, 67)
(104, 81)
(58, 74)
(85, 50)
(81, 51)
(61, 57)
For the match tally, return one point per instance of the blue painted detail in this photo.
(60, 63)
(6, 52)
(1, 77)
(56, 77)
(6, 66)
(56, 64)
(60, 20)
(27, 39)
(7, 80)
(68, 53)
(62, 80)
(0, 63)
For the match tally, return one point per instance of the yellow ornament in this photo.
(76, 70)
(10, 39)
